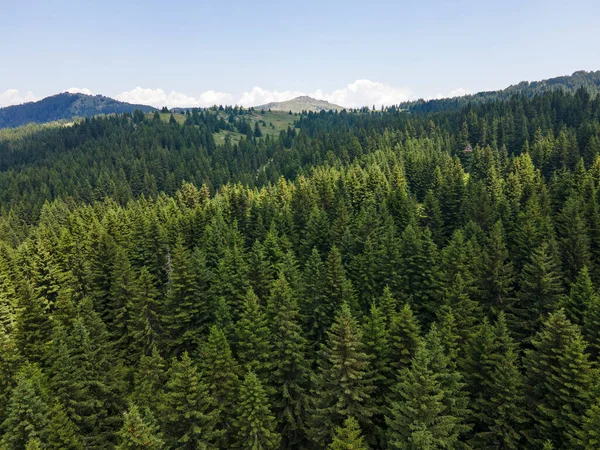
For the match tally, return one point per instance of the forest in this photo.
(367, 279)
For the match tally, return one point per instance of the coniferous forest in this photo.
(368, 279)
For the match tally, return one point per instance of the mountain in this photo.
(64, 106)
(568, 83)
(299, 104)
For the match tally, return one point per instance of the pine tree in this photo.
(27, 413)
(591, 326)
(348, 437)
(138, 432)
(443, 362)
(232, 281)
(253, 348)
(190, 413)
(290, 371)
(63, 432)
(498, 276)
(405, 332)
(254, 422)
(581, 296)
(219, 371)
(33, 328)
(149, 382)
(540, 287)
(145, 328)
(313, 284)
(421, 275)
(343, 386)
(10, 361)
(589, 435)
(495, 384)
(418, 417)
(558, 382)
(181, 321)
(376, 340)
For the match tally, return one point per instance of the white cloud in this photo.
(75, 90)
(14, 97)
(354, 95)
(158, 98)
(366, 93)
(259, 96)
(458, 92)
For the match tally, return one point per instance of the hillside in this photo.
(299, 104)
(567, 83)
(64, 106)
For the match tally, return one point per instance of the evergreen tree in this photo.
(558, 382)
(495, 384)
(27, 413)
(348, 437)
(219, 371)
(290, 372)
(589, 435)
(190, 414)
(343, 386)
(138, 432)
(418, 417)
(405, 332)
(149, 382)
(581, 296)
(254, 422)
(540, 288)
(253, 348)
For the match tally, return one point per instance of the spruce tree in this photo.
(581, 296)
(27, 413)
(290, 372)
(348, 437)
(405, 332)
(589, 435)
(540, 288)
(343, 386)
(492, 372)
(254, 421)
(149, 381)
(219, 371)
(558, 380)
(418, 417)
(253, 348)
(190, 414)
(138, 432)
(145, 328)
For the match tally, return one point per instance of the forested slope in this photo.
(366, 280)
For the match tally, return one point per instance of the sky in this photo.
(352, 53)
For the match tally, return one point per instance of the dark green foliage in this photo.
(139, 432)
(290, 372)
(418, 417)
(189, 411)
(559, 382)
(27, 413)
(363, 234)
(254, 422)
(344, 385)
(496, 388)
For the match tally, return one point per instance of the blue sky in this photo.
(350, 52)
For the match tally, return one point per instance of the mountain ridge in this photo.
(65, 106)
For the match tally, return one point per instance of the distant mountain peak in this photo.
(62, 106)
(301, 103)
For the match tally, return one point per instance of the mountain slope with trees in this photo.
(64, 106)
(365, 279)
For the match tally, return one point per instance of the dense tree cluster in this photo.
(367, 280)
